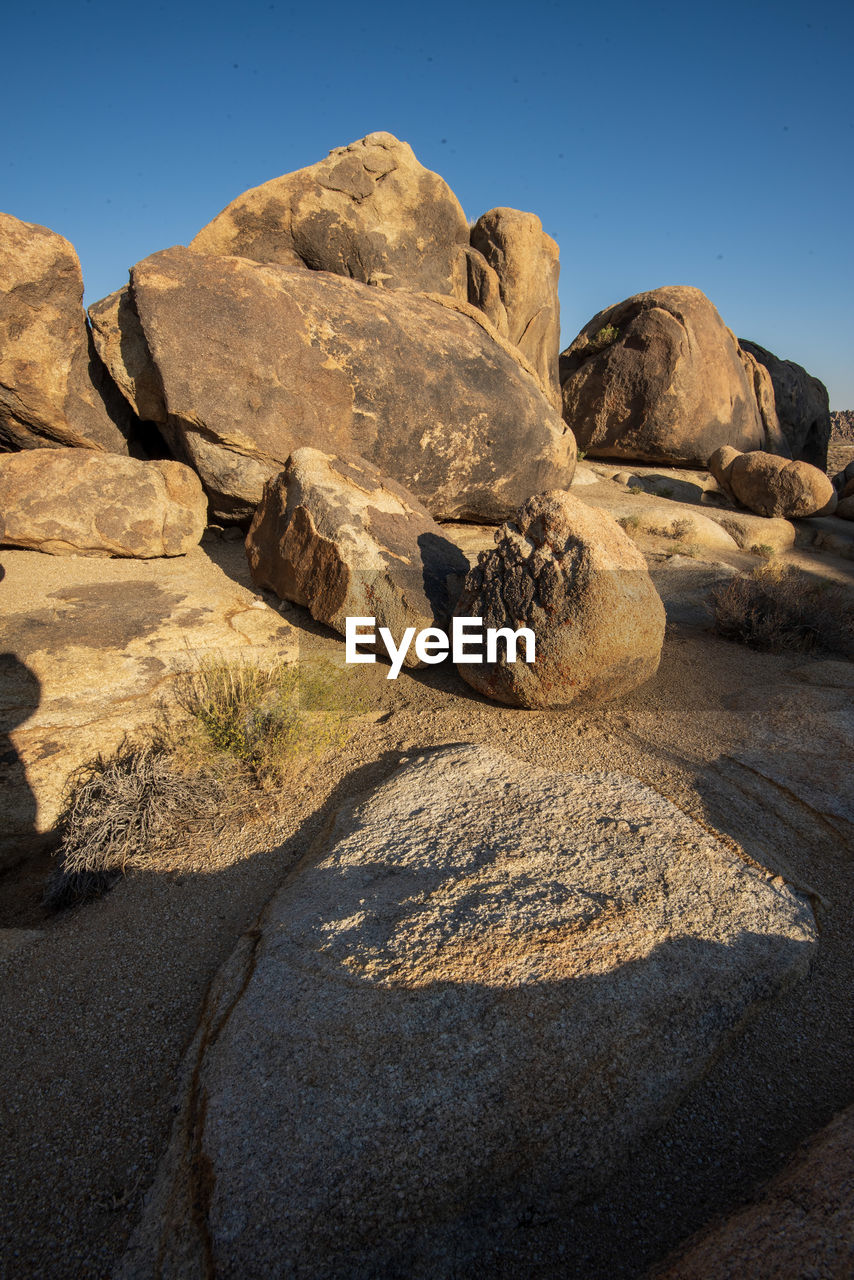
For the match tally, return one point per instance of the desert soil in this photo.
(100, 1002)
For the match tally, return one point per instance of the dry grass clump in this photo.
(780, 608)
(121, 813)
(244, 726)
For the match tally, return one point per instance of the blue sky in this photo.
(659, 143)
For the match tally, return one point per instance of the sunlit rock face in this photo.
(488, 984)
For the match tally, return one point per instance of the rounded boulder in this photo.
(567, 572)
(773, 486)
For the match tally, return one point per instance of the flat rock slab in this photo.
(490, 983)
(90, 645)
(798, 739)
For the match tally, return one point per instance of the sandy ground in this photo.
(99, 1006)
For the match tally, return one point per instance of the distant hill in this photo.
(842, 426)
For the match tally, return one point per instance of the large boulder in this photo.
(334, 535)
(53, 388)
(660, 378)
(773, 486)
(802, 403)
(255, 361)
(527, 264)
(455, 1020)
(369, 211)
(82, 502)
(569, 573)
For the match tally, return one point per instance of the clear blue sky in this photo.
(660, 143)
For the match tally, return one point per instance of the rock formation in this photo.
(570, 574)
(773, 486)
(660, 378)
(369, 211)
(842, 425)
(802, 404)
(255, 361)
(527, 264)
(489, 985)
(334, 535)
(53, 388)
(83, 502)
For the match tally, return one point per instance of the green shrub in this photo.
(605, 336)
(779, 608)
(264, 716)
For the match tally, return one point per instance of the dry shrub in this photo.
(120, 813)
(780, 608)
(244, 726)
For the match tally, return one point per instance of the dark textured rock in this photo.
(83, 502)
(843, 481)
(660, 378)
(799, 1227)
(53, 388)
(570, 574)
(334, 535)
(527, 264)
(489, 983)
(369, 211)
(256, 361)
(802, 403)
